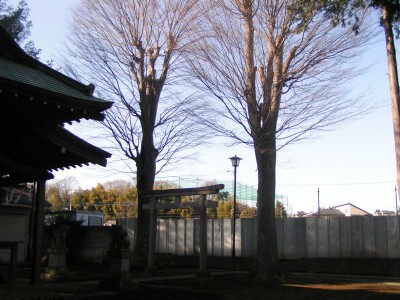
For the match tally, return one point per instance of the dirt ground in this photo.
(294, 286)
(182, 284)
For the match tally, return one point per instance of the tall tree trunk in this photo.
(394, 81)
(266, 260)
(145, 182)
(146, 171)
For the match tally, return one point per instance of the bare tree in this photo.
(131, 50)
(118, 184)
(67, 185)
(346, 13)
(274, 83)
(59, 192)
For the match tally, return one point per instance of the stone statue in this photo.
(59, 236)
(119, 240)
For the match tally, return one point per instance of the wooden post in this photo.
(203, 234)
(152, 238)
(13, 247)
(38, 231)
(13, 262)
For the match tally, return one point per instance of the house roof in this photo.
(35, 103)
(367, 213)
(328, 212)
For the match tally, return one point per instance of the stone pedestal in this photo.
(150, 271)
(56, 269)
(118, 271)
(118, 261)
(57, 266)
(203, 274)
(118, 265)
(57, 260)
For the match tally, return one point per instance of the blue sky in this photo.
(354, 163)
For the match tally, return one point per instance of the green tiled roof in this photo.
(37, 78)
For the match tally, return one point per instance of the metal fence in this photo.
(245, 193)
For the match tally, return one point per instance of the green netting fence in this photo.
(245, 193)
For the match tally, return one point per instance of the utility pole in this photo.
(395, 195)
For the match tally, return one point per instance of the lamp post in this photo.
(395, 195)
(235, 163)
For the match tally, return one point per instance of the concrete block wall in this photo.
(322, 237)
(94, 243)
(330, 237)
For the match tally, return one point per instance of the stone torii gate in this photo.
(177, 194)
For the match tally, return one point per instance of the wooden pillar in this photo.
(38, 231)
(152, 238)
(203, 234)
(13, 262)
(12, 270)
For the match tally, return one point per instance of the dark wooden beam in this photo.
(38, 231)
(17, 172)
(71, 143)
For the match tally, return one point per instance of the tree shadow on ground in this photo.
(294, 287)
(234, 285)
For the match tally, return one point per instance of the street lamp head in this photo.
(235, 161)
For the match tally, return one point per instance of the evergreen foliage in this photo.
(345, 12)
(280, 210)
(15, 21)
(116, 199)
